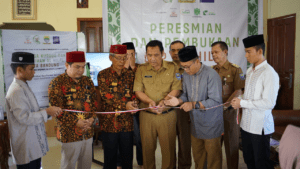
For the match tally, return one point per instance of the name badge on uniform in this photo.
(148, 76)
(226, 89)
(178, 76)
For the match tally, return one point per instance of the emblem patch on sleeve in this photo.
(242, 76)
(178, 76)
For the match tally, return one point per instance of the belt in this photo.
(164, 112)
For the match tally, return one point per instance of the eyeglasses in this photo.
(120, 58)
(187, 67)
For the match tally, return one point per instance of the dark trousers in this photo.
(183, 131)
(35, 164)
(114, 141)
(256, 150)
(137, 136)
(231, 138)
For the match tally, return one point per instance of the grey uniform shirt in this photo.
(204, 86)
(26, 123)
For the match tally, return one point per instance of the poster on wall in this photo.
(49, 49)
(194, 22)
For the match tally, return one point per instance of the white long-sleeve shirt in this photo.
(26, 123)
(261, 89)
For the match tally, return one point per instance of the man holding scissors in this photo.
(202, 89)
(115, 87)
(154, 81)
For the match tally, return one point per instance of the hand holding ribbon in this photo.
(173, 101)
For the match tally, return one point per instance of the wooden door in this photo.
(92, 28)
(281, 55)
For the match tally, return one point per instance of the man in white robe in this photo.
(25, 119)
(261, 90)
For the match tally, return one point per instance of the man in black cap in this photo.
(202, 88)
(25, 119)
(130, 62)
(261, 89)
(183, 129)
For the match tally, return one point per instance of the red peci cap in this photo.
(118, 49)
(75, 56)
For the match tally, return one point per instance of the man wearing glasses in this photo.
(131, 65)
(71, 90)
(202, 89)
(115, 87)
(183, 129)
(154, 81)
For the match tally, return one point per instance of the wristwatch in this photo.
(197, 105)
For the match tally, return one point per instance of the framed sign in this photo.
(82, 3)
(24, 9)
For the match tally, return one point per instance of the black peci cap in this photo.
(253, 40)
(187, 53)
(22, 58)
(129, 45)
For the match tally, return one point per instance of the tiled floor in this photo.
(52, 159)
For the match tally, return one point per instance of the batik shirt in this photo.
(116, 91)
(65, 93)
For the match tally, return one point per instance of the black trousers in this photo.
(35, 164)
(256, 150)
(114, 141)
(138, 141)
(231, 138)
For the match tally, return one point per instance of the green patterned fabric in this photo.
(252, 19)
(114, 28)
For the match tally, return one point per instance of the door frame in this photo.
(268, 41)
(268, 48)
(79, 20)
(86, 20)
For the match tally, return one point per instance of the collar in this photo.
(260, 65)
(164, 65)
(21, 83)
(200, 70)
(70, 79)
(111, 70)
(179, 65)
(225, 65)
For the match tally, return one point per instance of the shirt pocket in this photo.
(148, 83)
(148, 80)
(228, 86)
(167, 80)
(166, 85)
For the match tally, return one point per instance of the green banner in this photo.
(252, 19)
(114, 28)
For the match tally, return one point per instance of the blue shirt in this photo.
(204, 86)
